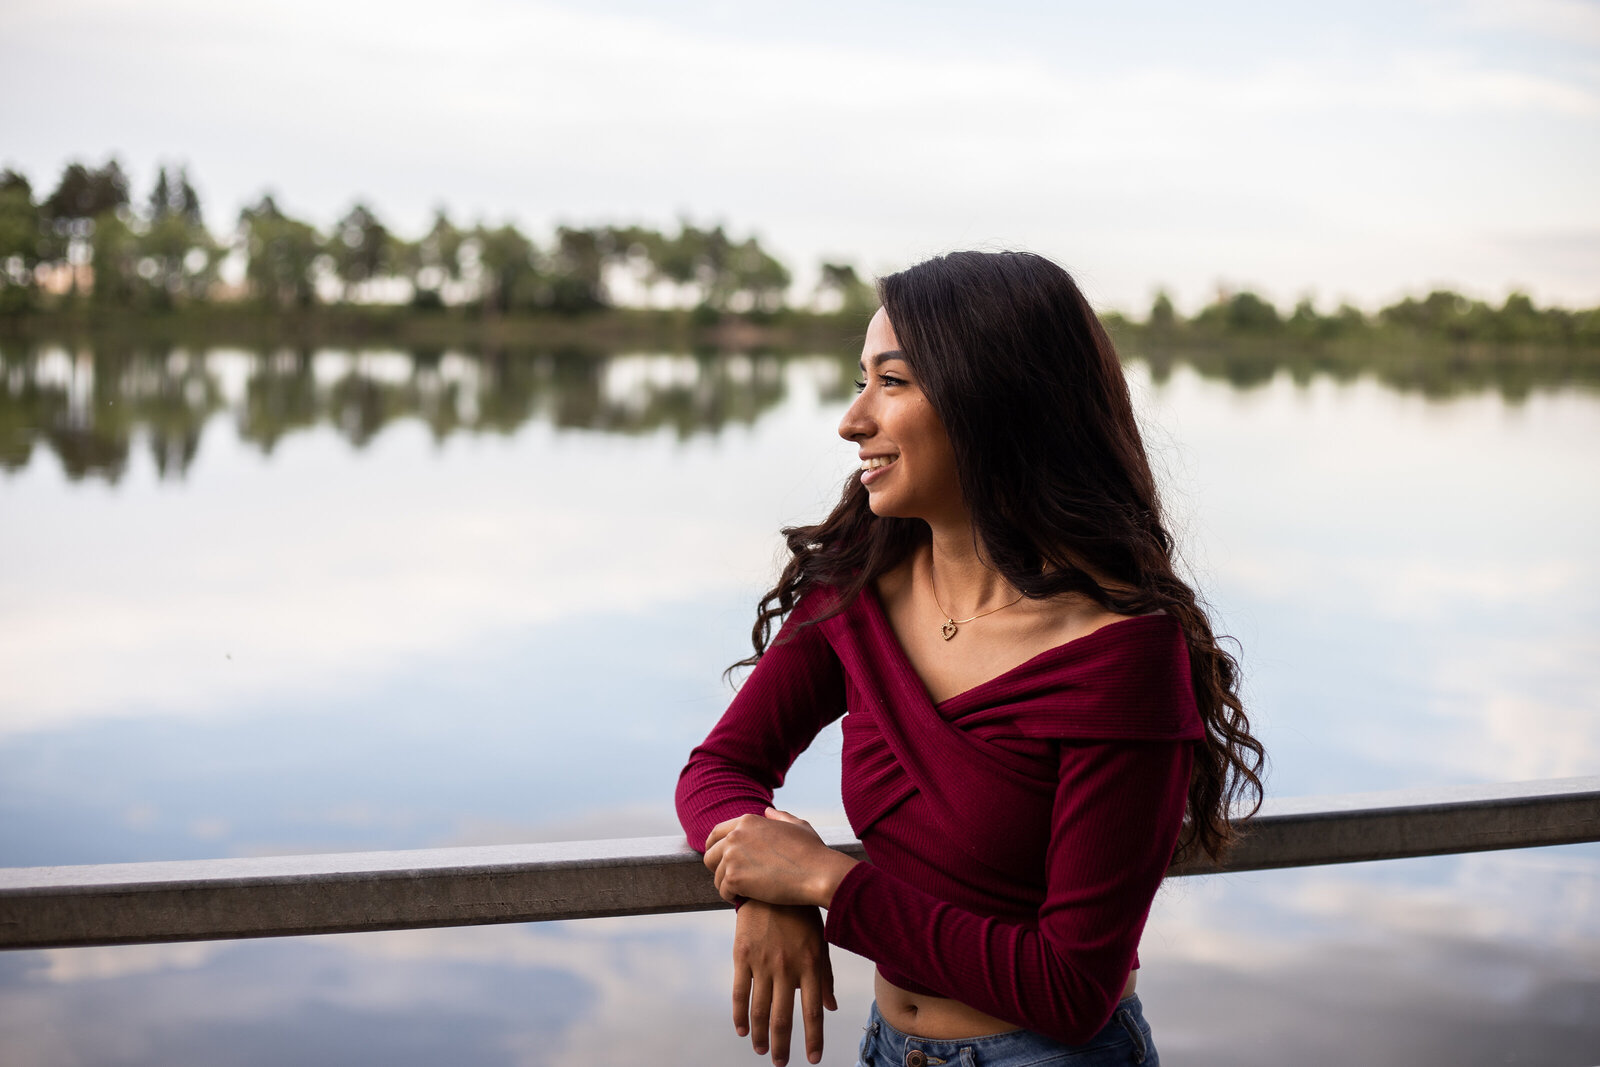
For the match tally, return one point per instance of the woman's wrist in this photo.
(827, 877)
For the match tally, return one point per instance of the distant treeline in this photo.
(90, 244)
(89, 239)
(1441, 315)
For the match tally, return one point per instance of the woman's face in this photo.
(907, 465)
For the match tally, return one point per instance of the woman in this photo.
(1039, 716)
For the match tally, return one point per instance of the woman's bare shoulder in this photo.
(1069, 617)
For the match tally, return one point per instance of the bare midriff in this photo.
(940, 1018)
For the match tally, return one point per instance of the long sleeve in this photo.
(1116, 815)
(795, 690)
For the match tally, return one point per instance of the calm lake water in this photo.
(304, 602)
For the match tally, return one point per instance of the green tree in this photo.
(677, 258)
(361, 248)
(69, 212)
(1163, 316)
(713, 252)
(282, 254)
(636, 250)
(840, 280)
(1518, 320)
(575, 269)
(719, 273)
(85, 194)
(179, 258)
(505, 259)
(1586, 327)
(19, 242)
(756, 277)
(115, 254)
(1351, 319)
(174, 196)
(1441, 313)
(1307, 323)
(1239, 313)
(435, 261)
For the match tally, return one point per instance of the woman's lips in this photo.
(872, 468)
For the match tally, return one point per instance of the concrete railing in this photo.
(130, 903)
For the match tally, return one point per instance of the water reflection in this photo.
(447, 609)
(1433, 370)
(85, 408)
(90, 406)
(1483, 959)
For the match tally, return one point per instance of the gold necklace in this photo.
(951, 625)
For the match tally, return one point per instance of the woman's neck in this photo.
(964, 580)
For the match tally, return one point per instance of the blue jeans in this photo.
(1123, 1041)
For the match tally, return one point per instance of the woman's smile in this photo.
(873, 466)
(894, 426)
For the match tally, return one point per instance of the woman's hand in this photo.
(778, 859)
(778, 950)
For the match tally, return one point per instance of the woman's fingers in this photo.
(784, 816)
(812, 1000)
(726, 885)
(713, 856)
(714, 859)
(719, 831)
(782, 1021)
(741, 1000)
(760, 1014)
(779, 952)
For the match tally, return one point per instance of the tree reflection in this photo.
(1435, 371)
(95, 408)
(90, 407)
(279, 397)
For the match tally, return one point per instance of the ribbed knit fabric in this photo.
(1017, 832)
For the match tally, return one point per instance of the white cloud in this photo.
(1454, 84)
(1143, 170)
(1561, 20)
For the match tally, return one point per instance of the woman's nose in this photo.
(856, 423)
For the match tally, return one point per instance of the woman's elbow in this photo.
(1084, 1008)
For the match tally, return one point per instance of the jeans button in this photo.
(916, 1058)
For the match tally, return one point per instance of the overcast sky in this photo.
(1352, 150)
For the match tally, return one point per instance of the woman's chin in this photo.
(883, 507)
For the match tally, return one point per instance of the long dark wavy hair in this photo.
(1054, 474)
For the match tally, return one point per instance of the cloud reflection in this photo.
(324, 568)
(1468, 959)
(1486, 958)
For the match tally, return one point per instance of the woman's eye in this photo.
(889, 379)
(860, 385)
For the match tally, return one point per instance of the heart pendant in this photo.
(948, 629)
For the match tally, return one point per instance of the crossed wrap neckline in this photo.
(1127, 680)
(952, 706)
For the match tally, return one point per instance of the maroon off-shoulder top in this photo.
(1016, 832)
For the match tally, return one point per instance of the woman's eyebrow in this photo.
(880, 358)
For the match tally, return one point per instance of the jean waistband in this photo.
(993, 1043)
